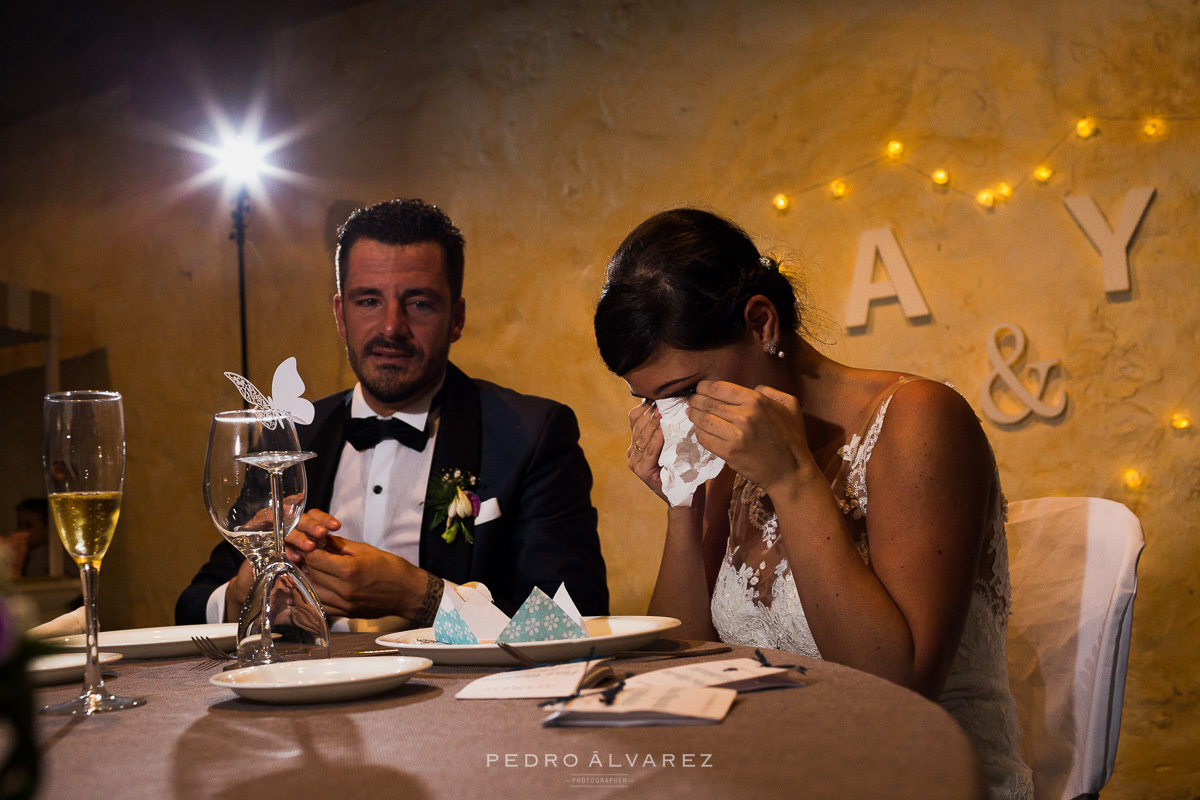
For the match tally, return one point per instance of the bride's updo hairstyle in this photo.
(681, 279)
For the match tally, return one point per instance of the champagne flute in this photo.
(84, 458)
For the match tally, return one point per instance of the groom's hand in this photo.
(237, 591)
(353, 579)
(310, 534)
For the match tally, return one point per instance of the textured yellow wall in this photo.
(548, 130)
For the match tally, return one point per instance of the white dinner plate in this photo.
(607, 635)
(321, 680)
(175, 640)
(63, 667)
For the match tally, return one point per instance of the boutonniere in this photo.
(453, 503)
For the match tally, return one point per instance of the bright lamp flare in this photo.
(1154, 128)
(986, 198)
(241, 159)
(1042, 174)
(1180, 422)
(1085, 127)
(781, 202)
(1133, 478)
(837, 189)
(895, 149)
(940, 177)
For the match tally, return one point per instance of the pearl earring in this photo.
(773, 349)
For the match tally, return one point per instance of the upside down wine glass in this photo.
(83, 435)
(255, 488)
(238, 498)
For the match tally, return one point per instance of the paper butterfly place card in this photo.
(286, 391)
(467, 615)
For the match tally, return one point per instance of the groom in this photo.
(393, 450)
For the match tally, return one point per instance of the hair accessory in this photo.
(766, 262)
(773, 349)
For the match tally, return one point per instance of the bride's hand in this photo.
(759, 432)
(645, 445)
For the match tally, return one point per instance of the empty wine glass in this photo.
(237, 497)
(83, 436)
(255, 488)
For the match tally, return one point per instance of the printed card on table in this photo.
(554, 680)
(645, 706)
(739, 674)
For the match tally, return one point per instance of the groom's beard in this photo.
(394, 371)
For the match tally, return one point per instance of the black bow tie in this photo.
(366, 432)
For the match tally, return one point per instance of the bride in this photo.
(830, 532)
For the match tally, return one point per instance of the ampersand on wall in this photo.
(1002, 370)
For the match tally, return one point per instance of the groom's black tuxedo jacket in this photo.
(525, 451)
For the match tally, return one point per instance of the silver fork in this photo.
(213, 653)
(521, 658)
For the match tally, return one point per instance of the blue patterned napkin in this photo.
(540, 619)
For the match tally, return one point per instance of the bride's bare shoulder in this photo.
(933, 413)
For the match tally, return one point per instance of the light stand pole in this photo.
(241, 212)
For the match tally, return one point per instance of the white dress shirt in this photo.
(378, 494)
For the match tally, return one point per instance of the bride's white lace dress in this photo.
(755, 603)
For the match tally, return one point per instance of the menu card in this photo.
(639, 707)
(554, 680)
(740, 674)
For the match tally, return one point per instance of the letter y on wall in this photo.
(1112, 245)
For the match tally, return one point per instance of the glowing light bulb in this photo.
(1042, 173)
(1133, 478)
(781, 202)
(1154, 127)
(241, 159)
(837, 189)
(895, 149)
(940, 177)
(1003, 190)
(1085, 127)
(1180, 422)
(985, 198)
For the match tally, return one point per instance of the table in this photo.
(845, 735)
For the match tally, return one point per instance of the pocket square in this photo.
(488, 510)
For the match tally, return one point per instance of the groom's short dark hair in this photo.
(403, 222)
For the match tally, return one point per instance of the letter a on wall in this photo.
(1112, 245)
(881, 244)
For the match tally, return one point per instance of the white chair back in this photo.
(1073, 566)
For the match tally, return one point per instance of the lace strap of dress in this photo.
(850, 490)
(855, 455)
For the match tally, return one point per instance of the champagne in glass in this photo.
(86, 521)
(84, 458)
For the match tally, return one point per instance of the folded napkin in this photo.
(684, 463)
(68, 624)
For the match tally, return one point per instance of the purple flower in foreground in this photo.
(9, 633)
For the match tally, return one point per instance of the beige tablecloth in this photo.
(845, 735)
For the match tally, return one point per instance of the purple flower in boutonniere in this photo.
(453, 504)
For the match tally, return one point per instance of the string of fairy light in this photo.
(988, 197)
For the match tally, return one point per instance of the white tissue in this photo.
(684, 463)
